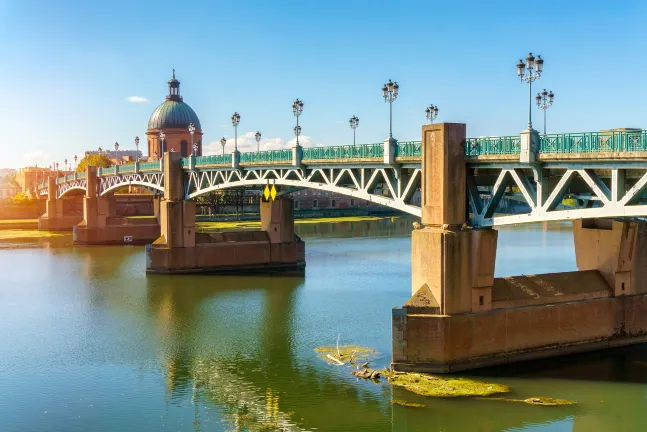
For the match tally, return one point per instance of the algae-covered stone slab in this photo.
(428, 385)
(542, 401)
(407, 404)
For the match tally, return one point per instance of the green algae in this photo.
(15, 234)
(346, 353)
(541, 401)
(201, 226)
(443, 387)
(17, 221)
(407, 404)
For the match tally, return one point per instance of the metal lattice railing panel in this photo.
(483, 146)
(150, 166)
(409, 149)
(108, 171)
(595, 142)
(284, 155)
(221, 159)
(360, 151)
(129, 168)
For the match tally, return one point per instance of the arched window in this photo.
(184, 148)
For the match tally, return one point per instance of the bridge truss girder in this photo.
(614, 190)
(361, 182)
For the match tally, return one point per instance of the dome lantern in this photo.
(174, 89)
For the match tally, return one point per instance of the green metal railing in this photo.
(108, 171)
(594, 142)
(505, 145)
(185, 162)
(42, 185)
(213, 160)
(409, 149)
(360, 151)
(284, 155)
(127, 169)
(81, 175)
(69, 177)
(149, 166)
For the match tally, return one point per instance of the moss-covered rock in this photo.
(543, 401)
(346, 353)
(428, 385)
(407, 404)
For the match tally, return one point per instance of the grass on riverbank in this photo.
(203, 226)
(12, 234)
(17, 221)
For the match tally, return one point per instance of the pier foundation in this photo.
(461, 317)
(56, 218)
(179, 249)
(102, 226)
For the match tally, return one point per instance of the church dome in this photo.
(173, 112)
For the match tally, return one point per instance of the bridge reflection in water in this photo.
(247, 364)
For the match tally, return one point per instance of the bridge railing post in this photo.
(235, 159)
(116, 169)
(136, 167)
(100, 171)
(390, 146)
(297, 155)
(192, 162)
(529, 146)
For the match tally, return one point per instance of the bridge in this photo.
(607, 169)
(459, 316)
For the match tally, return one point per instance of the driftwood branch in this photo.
(339, 362)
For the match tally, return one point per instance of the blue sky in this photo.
(69, 67)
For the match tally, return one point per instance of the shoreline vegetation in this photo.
(358, 359)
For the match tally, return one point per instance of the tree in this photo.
(97, 160)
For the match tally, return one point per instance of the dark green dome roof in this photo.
(173, 114)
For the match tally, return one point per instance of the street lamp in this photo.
(223, 143)
(297, 109)
(137, 147)
(432, 113)
(192, 131)
(354, 123)
(544, 101)
(390, 93)
(531, 63)
(162, 136)
(65, 164)
(75, 158)
(258, 141)
(235, 119)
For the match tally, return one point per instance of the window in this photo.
(315, 204)
(352, 202)
(480, 300)
(184, 148)
(296, 205)
(332, 203)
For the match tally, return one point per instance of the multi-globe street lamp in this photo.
(297, 109)
(235, 120)
(195, 149)
(192, 131)
(525, 73)
(117, 152)
(390, 93)
(431, 113)
(354, 123)
(544, 101)
(137, 147)
(257, 136)
(223, 143)
(75, 159)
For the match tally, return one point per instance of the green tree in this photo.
(97, 160)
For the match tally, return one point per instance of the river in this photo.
(88, 342)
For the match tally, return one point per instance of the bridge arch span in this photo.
(72, 190)
(149, 186)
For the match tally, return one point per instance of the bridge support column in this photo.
(180, 250)
(55, 218)
(100, 224)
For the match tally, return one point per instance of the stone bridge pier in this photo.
(56, 217)
(461, 317)
(101, 225)
(179, 249)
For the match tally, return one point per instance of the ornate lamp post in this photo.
(258, 141)
(192, 131)
(65, 165)
(56, 169)
(297, 109)
(544, 101)
(223, 143)
(432, 113)
(162, 136)
(117, 152)
(525, 73)
(235, 119)
(390, 93)
(154, 155)
(354, 123)
(75, 159)
(137, 147)
(195, 149)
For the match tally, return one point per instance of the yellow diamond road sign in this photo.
(273, 192)
(266, 192)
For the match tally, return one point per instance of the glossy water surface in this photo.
(89, 342)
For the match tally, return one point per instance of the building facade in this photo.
(173, 117)
(29, 177)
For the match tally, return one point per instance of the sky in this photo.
(78, 75)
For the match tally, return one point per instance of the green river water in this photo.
(88, 342)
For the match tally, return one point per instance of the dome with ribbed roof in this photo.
(173, 112)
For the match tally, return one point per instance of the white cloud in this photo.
(37, 157)
(137, 99)
(247, 143)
